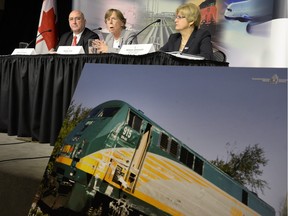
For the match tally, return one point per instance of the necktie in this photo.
(74, 42)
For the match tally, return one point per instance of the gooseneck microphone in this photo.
(99, 29)
(134, 36)
(48, 30)
(98, 32)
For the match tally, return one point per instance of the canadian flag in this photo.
(47, 31)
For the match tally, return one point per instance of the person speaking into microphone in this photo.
(118, 34)
(190, 38)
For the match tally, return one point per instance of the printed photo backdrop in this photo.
(204, 107)
(252, 33)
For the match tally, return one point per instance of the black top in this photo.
(199, 43)
(66, 39)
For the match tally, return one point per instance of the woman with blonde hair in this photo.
(190, 38)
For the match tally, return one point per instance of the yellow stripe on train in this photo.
(165, 184)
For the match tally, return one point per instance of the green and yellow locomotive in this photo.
(117, 161)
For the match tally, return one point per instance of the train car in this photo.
(250, 11)
(117, 161)
(209, 16)
(208, 10)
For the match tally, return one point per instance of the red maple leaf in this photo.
(48, 22)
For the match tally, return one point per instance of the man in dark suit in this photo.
(79, 34)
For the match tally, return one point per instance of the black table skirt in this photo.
(35, 91)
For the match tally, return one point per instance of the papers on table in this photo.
(185, 55)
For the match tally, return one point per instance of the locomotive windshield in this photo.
(104, 112)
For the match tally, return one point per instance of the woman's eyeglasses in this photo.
(179, 17)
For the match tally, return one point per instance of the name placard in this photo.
(24, 51)
(137, 49)
(68, 50)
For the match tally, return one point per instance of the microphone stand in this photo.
(134, 36)
(99, 30)
(49, 30)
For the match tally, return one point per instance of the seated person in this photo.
(190, 38)
(118, 35)
(77, 23)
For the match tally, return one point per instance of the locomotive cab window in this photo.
(108, 112)
(134, 121)
(102, 113)
(94, 113)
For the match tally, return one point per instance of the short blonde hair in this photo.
(119, 15)
(191, 13)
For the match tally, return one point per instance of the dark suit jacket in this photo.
(66, 39)
(199, 43)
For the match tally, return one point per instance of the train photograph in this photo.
(121, 159)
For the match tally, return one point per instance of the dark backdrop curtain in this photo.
(35, 94)
(35, 91)
(19, 22)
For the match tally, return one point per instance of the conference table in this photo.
(36, 90)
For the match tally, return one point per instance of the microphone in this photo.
(48, 30)
(99, 28)
(99, 33)
(134, 36)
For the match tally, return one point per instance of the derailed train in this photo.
(117, 161)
